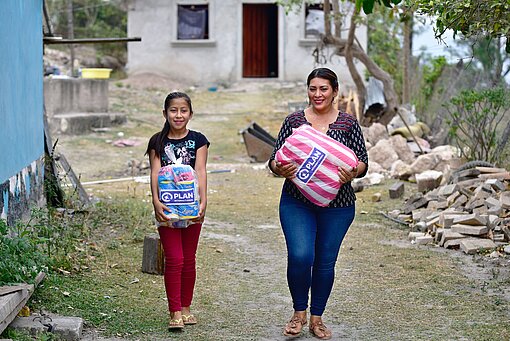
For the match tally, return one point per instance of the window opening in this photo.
(193, 22)
(314, 20)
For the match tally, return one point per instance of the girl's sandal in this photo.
(189, 319)
(294, 326)
(319, 330)
(175, 324)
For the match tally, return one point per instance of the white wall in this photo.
(218, 60)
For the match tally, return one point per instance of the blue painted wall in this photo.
(21, 86)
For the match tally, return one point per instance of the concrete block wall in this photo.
(75, 95)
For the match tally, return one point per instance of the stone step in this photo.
(81, 123)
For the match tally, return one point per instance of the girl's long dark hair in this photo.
(156, 141)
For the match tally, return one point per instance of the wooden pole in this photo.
(54, 40)
(47, 18)
(406, 51)
(410, 131)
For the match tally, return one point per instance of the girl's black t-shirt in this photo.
(184, 148)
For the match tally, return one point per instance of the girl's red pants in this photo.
(180, 247)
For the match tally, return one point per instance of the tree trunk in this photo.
(389, 91)
(70, 32)
(504, 138)
(338, 19)
(406, 56)
(347, 49)
(327, 18)
(349, 59)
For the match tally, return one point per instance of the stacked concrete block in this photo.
(470, 214)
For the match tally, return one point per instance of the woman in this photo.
(313, 234)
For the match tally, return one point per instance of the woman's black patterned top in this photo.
(345, 130)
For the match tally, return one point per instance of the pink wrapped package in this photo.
(317, 157)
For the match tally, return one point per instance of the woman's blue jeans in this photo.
(313, 235)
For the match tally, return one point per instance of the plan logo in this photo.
(177, 196)
(310, 165)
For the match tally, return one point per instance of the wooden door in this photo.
(260, 40)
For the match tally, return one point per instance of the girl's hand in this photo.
(287, 171)
(346, 175)
(201, 213)
(159, 211)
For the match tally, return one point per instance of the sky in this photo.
(449, 48)
(427, 40)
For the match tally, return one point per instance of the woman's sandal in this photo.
(175, 324)
(294, 326)
(319, 330)
(189, 319)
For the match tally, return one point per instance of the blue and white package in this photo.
(178, 190)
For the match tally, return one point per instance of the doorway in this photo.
(260, 40)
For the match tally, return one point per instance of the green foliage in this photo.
(431, 73)
(490, 57)
(368, 5)
(384, 44)
(47, 241)
(59, 234)
(469, 17)
(475, 120)
(430, 82)
(20, 335)
(21, 257)
(93, 19)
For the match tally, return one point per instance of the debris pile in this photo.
(471, 212)
(398, 157)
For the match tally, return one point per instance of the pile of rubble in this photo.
(471, 213)
(392, 155)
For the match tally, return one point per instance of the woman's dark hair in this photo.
(156, 141)
(324, 73)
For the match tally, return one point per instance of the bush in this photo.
(479, 125)
(21, 258)
(47, 241)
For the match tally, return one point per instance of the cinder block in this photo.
(446, 191)
(496, 184)
(449, 235)
(424, 240)
(470, 219)
(504, 198)
(452, 244)
(396, 190)
(473, 245)
(470, 229)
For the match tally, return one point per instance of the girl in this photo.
(179, 244)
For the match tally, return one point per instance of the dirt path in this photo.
(385, 288)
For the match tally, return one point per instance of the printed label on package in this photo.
(177, 196)
(310, 165)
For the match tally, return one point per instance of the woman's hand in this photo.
(287, 171)
(346, 175)
(159, 211)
